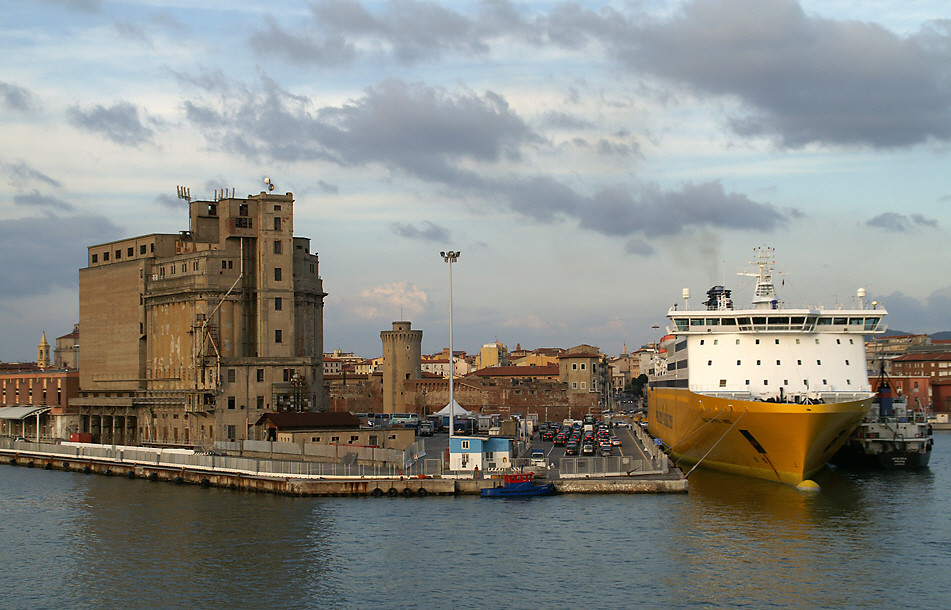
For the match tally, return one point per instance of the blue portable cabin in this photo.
(482, 452)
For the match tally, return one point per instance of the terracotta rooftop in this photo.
(307, 420)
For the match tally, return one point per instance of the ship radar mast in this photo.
(764, 295)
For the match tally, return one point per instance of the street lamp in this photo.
(451, 257)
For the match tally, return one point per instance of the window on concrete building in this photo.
(142, 249)
(231, 433)
(118, 254)
(574, 385)
(260, 402)
(277, 223)
(582, 366)
(354, 438)
(95, 258)
(465, 444)
(224, 264)
(278, 304)
(231, 402)
(260, 376)
(277, 208)
(277, 274)
(130, 252)
(278, 336)
(230, 375)
(277, 247)
(105, 256)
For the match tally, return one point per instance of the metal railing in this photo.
(615, 465)
(172, 458)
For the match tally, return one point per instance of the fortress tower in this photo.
(402, 357)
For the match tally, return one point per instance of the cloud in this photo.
(900, 223)
(803, 79)
(167, 201)
(330, 189)
(397, 298)
(459, 140)
(17, 98)
(426, 232)
(909, 314)
(35, 199)
(119, 123)
(329, 50)
(86, 6)
(49, 267)
(20, 175)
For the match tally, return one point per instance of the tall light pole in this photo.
(451, 257)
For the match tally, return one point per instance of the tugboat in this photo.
(517, 485)
(891, 436)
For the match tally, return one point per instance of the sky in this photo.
(588, 159)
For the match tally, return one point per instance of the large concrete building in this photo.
(189, 338)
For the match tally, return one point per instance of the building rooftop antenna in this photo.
(269, 183)
(185, 193)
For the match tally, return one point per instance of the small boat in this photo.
(891, 436)
(517, 485)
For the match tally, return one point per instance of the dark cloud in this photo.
(330, 49)
(799, 78)
(909, 314)
(331, 189)
(563, 120)
(168, 201)
(17, 98)
(62, 247)
(36, 199)
(427, 231)
(120, 123)
(899, 223)
(804, 79)
(459, 141)
(20, 175)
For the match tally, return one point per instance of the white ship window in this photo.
(758, 363)
(713, 321)
(766, 382)
(838, 341)
(819, 362)
(696, 321)
(851, 342)
(799, 362)
(805, 382)
(777, 341)
(701, 341)
(709, 362)
(848, 382)
(737, 341)
(817, 342)
(777, 363)
(825, 382)
(723, 383)
(728, 322)
(785, 382)
(797, 341)
(846, 363)
(747, 382)
(715, 341)
(757, 342)
(737, 363)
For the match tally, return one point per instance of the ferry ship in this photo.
(767, 391)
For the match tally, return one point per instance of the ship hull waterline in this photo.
(784, 442)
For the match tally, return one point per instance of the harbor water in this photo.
(874, 539)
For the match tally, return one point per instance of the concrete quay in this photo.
(406, 487)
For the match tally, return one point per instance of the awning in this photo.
(21, 413)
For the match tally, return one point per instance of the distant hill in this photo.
(944, 335)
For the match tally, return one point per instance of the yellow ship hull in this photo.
(774, 441)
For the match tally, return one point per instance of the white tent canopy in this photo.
(456, 409)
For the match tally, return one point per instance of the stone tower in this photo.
(43, 353)
(402, 360)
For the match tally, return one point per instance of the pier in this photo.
(255, 475)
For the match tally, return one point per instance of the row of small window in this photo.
(230, 375)
(778, 322)
(778, 363)
(575, 366)
(583, 386)
(172, 267)
(130, 252)
(776, 341)
(805, 382)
